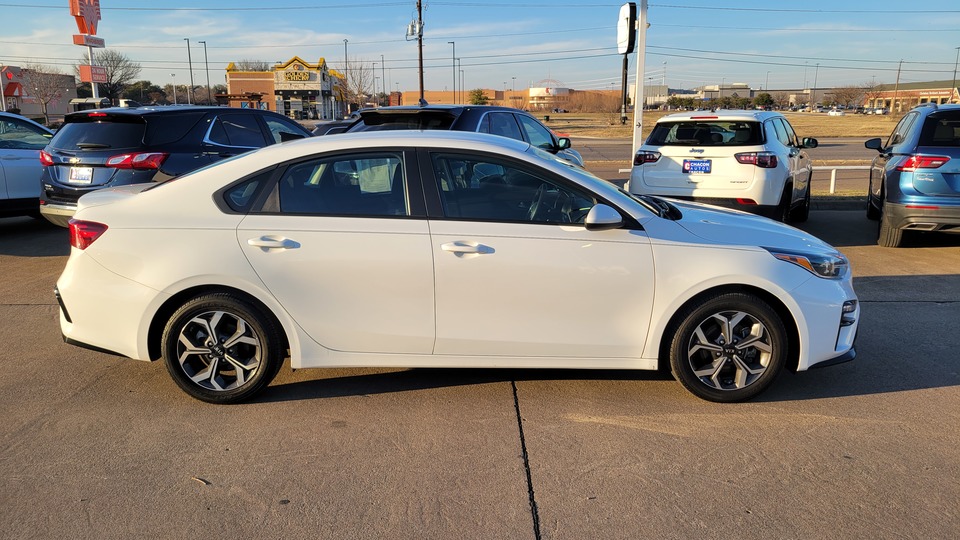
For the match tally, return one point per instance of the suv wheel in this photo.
(783, 209)
(801, 213)
(887, 234)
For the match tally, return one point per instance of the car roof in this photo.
(438, 107)
(757, 116)
(5, 114)
(151, 110)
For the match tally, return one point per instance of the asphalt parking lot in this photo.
(95, 446)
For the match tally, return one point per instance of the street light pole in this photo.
(206, 66)
(766, 84)
(953, 87)
(813, 91)
(454, 65)
(383, 80)
(174, 75)
(190, 64)
(346, 77)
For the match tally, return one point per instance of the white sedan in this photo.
(442, 249)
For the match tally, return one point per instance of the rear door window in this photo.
(501, 123)
(241, 130)
(903, 127)
(372, 184)
(706, 133)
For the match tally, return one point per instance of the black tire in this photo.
(873, 210)
(783, 209)
(722, 368)
(801, 213)
(887, 234)
(245, 357)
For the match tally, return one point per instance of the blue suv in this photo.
(915, 181)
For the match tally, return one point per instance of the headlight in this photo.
(829, 265)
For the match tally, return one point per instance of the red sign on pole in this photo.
(93, 74)
(89, 41)
(87, 14)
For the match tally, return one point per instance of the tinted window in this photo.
(21, 135)
(503, 124)
(794, 140)
(780, 131)
(169, 128)
(280, 126)
(703, 133)
(488, 189)
(900, 132)
(241, 196)
(369, 184)
(941, 129)
(412, 120)
(537, 135)
(237, 130)
(92, 134)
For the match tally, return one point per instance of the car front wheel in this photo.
(728, 348)
(221, 349)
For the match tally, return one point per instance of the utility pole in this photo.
(383, 80)
(896, 90)
(453, 64)
(346, 80)
(420, 46)
(953, 87)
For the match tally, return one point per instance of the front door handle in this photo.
(461, 248)
(273, 242)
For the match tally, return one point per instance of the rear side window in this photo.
(538, 135)
(241, 196)
(372, 184)
(701, 133)
(169, 128)
(941, 129)
(98, 133)
(503, 124)
(240, 130)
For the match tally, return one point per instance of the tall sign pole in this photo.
(87, 15)
(638, 83)
(626, 41)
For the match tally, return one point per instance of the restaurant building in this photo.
(294, 88)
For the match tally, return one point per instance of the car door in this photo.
(20, 145)
(804, 167)
(790, 154)
(346, 251)
(879, 164)
(517, 273)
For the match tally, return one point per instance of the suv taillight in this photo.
(645, 157)
(915, 162)
(764, 160)
(84, 233)
(140, 160)
(45, 158)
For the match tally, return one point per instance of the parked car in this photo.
(21, 140)
(749, 160)
(131, 145)
(836, 112)
(333, 127)
(443, 249)
(504, 121)
(915, 179)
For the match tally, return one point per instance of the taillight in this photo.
(645, 157)
(96, 114)
(915, 162)
(84, 233)
(764, 160)
(141, 160)
(45, 158)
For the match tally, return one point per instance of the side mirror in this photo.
(563, 143)
(874, 144)
(809, 142)
(602, 217)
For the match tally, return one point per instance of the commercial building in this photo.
(295, 88)
(27, 92)
(899, 98)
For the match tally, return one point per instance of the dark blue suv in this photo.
(915, 181)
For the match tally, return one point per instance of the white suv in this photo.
(749, 160)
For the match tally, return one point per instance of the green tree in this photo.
(763, 99)
(477, 97)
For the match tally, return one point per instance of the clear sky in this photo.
(513, 43)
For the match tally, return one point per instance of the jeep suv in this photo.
(748, 160)
(116, 146)
(503, 121)
(915, 181)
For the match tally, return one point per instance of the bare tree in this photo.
(252, 65)
(45, 84)
(871, 91)
(782, 99)
(121, 71)
(359, 82)
(848, 95)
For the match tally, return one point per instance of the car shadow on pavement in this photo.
(28, 237)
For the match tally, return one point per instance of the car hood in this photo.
(732, 227)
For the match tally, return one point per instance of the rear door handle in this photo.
(273, 242)
(462, 247)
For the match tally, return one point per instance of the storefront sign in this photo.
(96, 74)
(89, 41)
(87, 14)
(298, 76)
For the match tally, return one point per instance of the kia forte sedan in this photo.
(442, 249)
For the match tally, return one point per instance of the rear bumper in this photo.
(923, 217)
(58, 213)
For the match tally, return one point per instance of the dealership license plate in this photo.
(696, 166)
(81, 175)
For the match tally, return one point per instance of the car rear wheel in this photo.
(783, 209)
(801, 213)
(889, 235)
(728, 348)
(221, 349)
